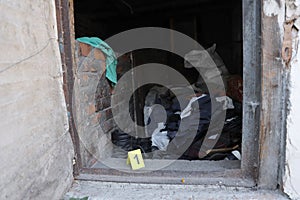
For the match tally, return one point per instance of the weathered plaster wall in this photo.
(35, 146)
(292, 176)
(292, 173)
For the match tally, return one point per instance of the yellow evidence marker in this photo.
(135, 159)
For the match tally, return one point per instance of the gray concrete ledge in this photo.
(96, 190)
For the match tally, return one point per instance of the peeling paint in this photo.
(271, 8)
(287, 45)
(292, 175)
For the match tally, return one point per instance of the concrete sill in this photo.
(226, 173)
(97, 190)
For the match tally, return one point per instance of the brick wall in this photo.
(92, 102)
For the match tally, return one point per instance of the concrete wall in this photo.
(292, 178)
(292, 173)
(36, 150)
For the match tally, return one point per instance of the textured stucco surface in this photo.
(35, 147)
(292, 173)
(292, 179)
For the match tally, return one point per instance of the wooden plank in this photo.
(67, 55)
(273, 105)
(252, 86)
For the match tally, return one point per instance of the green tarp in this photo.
(111, 60)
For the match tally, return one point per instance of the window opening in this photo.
(215, 24)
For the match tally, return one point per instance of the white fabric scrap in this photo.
(160, 139)
(227, 102)
(213, 137)
(188, 109)
(147, 113)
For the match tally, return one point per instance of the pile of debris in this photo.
(176, 126)
(181, 135)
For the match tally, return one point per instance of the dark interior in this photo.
(206, 21)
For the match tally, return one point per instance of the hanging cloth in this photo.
(111, 60)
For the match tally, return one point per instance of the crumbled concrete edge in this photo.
(109, 190)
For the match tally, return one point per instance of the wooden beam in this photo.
(273, 94)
